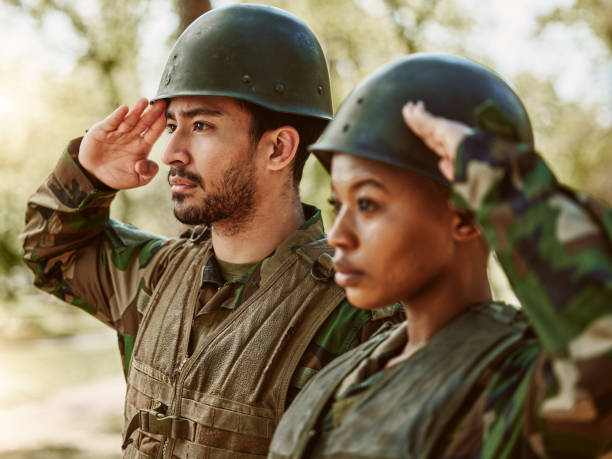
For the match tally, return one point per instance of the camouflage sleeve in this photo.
(555, 247)
(83, 257)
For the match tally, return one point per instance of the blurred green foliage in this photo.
(105, 62)
(105, 57)
(596, 14)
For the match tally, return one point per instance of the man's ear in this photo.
(283, 143)
(464, 226)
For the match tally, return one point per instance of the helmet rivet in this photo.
(280, 88)
(345, 128)
(246, 79)
(360, 100)
(320, 89)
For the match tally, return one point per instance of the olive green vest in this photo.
(407, 410)
(225, 399)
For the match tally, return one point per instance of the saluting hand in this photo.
(115, 150)
(441, 135)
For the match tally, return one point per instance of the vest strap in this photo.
(154, 422)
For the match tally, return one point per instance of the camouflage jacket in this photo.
(554, 397)
(110, 269)
(549, 397)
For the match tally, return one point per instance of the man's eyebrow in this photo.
(194, 112)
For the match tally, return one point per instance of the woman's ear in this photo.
(283, 143)
(464, 226)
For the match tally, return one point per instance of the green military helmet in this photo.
(256, 53)
(370, 124)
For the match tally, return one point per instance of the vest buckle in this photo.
(154, 422)
(322, 269)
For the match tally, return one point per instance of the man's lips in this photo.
(180, 184)
(346, 274)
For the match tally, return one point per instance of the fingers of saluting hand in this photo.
(447, 167)
(112, 121)
(151, 117)
(426, 126)
(156, 126)
(418, 119)
(135, 122)
(133, 116)
(441, 135)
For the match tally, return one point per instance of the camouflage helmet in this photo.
(256, 53)
(369, 123)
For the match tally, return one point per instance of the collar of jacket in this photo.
(310, 231)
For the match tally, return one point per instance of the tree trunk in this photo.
(190, 10)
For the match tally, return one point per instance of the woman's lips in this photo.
(346, 275)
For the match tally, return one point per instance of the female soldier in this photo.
(465, 376)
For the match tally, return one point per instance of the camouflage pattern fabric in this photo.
(553, 399)
(110, 269)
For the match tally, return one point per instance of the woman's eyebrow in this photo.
(361, 183)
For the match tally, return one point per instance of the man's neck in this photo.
(272, 222)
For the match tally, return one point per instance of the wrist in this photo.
(74, 150)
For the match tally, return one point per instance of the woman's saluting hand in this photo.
(441, 135)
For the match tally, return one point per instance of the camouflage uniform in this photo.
(550, 396)
(111, 270)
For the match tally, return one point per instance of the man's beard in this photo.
(231, 201)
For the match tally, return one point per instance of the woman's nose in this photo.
(342, 234)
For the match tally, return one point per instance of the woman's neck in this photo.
(432, 309)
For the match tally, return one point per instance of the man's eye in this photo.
(200, 126)
(335, 204)
(366, 205)
(170, 128)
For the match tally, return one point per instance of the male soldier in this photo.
(219, 329)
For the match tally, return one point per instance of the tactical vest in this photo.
(406, 411)
(225, 399)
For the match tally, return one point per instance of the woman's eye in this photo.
(170, 128)
(366, 205)
(335, 204)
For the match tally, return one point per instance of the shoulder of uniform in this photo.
(317, 245)
(504, 313)
(382, 333)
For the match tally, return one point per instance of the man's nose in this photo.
(176, 152)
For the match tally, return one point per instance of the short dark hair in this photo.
(308, 128)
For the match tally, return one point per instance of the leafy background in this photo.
(66, 64)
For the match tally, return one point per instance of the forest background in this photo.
(66, 64)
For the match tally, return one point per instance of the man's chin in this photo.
(179, 198)
(188, 215)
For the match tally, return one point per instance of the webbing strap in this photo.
(154, 422)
